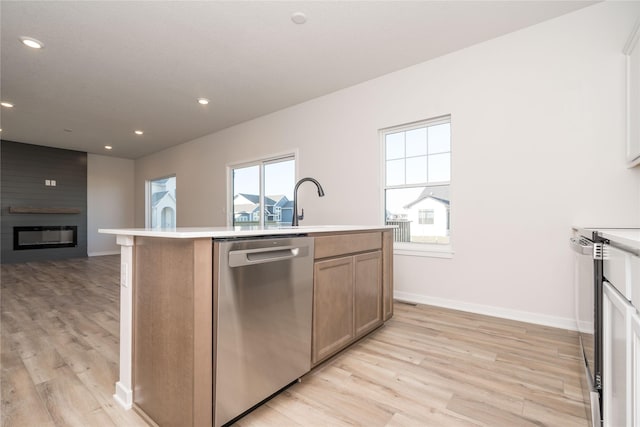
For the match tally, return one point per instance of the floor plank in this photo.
(428, 366)
(59, 329)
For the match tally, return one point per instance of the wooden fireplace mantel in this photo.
(30, 210)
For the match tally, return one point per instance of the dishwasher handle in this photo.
(581, 246)
(246, 257)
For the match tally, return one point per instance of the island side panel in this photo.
(203, 338)
(214, 335)
(124, 387)
(172, 330)
(387, 275)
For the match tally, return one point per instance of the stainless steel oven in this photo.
(588, 248)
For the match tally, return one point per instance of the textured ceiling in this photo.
(111, 67)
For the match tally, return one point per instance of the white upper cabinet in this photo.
(632, 51)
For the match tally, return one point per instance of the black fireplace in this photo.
(45, 237)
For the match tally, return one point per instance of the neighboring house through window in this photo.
(417, 173)
(262, 191)
(161, 202)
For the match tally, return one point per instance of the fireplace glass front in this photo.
(44, 237)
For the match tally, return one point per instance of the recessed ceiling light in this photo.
(203, 101)
(31, 42)
(138, 132)
(299, 18)
(108, 147)
(6, 104)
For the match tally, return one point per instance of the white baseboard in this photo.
(505, 313)
(115, 252)
(124, 396)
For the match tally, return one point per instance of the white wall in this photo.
(537, 138)
(110, 201)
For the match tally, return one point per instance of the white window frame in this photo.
(412, 248)
(288, 155)
(147, 202)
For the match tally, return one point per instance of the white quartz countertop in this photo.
(629, 237)
(244, 231)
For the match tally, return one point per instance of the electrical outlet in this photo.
(53, 182)
(47, 182)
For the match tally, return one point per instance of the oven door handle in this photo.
(581, 246)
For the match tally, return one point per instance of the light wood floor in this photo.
(426, 367)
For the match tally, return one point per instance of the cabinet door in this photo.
(368, 292)
(632, 50)
(635, 368)
(332, 306)
(616, 389)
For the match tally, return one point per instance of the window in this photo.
(417, 173)
(161, 202)
(425, 216)
(262, 192)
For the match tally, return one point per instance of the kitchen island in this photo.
(169, 297)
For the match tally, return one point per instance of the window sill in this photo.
(419, 250)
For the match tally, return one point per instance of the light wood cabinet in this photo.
(346, 244)
(367, 292)
(348, 291)
(332, 306)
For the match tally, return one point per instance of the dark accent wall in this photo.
(23, 171)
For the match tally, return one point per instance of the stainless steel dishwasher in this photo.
(263, 323)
